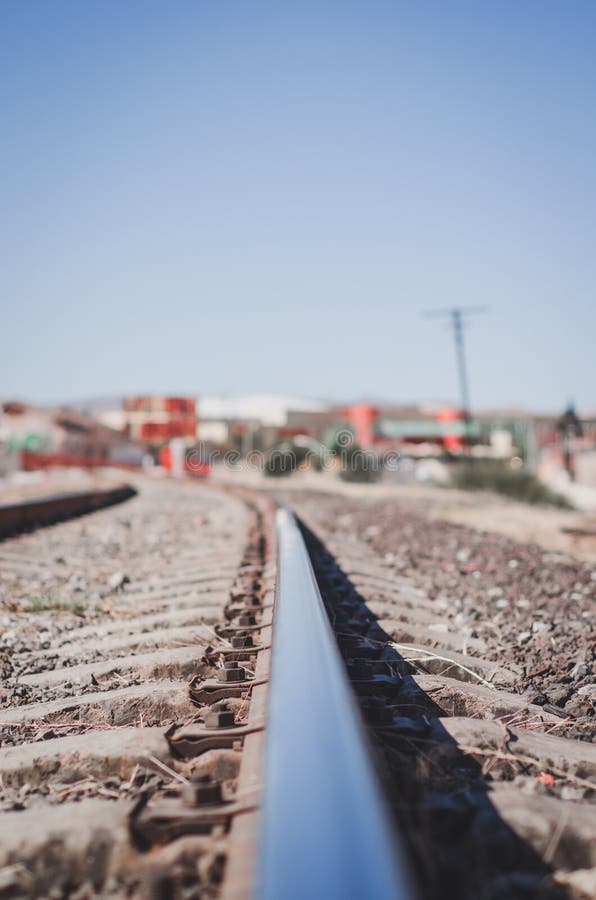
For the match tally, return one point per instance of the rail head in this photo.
(325, 830)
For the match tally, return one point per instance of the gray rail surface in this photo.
(325, 831)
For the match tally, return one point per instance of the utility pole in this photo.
(456, 314)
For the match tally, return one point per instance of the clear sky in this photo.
(243, 196)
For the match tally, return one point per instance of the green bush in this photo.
(358, 465)
(521, 484)
(283, 459)
(280, 462)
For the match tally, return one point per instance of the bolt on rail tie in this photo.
(325, 830)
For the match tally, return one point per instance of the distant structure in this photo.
(155, 420)
(175, 430)
(414, 430)
(258, 421)
(36, 437)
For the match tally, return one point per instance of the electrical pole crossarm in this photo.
(449, 311)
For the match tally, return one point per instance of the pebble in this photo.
(557, 695)
(15, 877)
(588, 690)
(572, 793)
(580, 670)
(118, 580)
(580, 884)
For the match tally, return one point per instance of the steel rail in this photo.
(26, 514)
(325, 831)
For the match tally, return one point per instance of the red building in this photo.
(155, 420)
(362, 419)
(403, 426)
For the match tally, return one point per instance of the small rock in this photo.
(580, 670)
(45, 735)
(582, 882)
(15, 877)
(576, 707)
(557, 695)
(524, 636)
(572, 793)
(588, 690)
(117, 581)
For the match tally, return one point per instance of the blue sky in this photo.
(254, 197)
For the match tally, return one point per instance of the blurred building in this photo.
(498, 433)
(258, 422)
(120, 431)
(153, 419)
(417, 430)
(34, 437)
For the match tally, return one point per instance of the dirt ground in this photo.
(553, 529)
(556, 530)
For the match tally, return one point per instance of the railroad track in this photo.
(186, 678)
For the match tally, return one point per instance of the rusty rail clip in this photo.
(196, 738)
(233, 682)
(161, 820)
